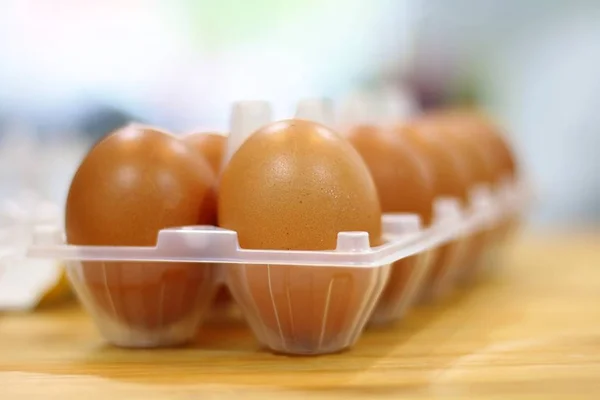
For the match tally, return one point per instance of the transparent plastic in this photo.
(138, 299)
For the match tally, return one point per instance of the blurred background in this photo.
(72, 70)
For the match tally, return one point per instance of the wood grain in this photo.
(530, 331)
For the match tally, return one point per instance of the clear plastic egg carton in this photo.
(296, 302)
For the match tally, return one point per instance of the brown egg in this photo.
(294, 185)
(132, 184)
(403, 179)
(481, 129)
(405, 184)
(452, 179)
(484, 168)
(473, 152)
(211, 145)
(451, 175)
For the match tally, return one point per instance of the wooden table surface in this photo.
(530, 331)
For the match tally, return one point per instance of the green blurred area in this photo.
(218, 23)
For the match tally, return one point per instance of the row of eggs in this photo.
(291, 185)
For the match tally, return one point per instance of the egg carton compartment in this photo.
(296, 302)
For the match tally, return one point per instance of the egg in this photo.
(294, 185)
(473, 152)
(405, 184)
(133, 183)
(211, 145)
(452, 179)
(480, 129)
(404, 180)
(456, 134)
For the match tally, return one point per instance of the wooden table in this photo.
(530, 331)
